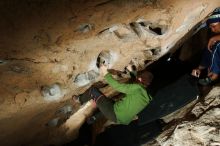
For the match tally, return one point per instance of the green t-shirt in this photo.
(135, 100)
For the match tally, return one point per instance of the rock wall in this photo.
(49, 51)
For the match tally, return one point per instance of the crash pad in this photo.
(169, 99)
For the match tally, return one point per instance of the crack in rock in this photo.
(86, 27)
(28, 60)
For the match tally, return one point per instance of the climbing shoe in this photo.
(91, 93)
(95, 93)
(205, 82)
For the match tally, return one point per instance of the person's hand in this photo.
(103, 70)
(196, 72)
(212, 41)
(129, 68)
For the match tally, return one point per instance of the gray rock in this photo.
(53, 123)
(86, 27)
(86, 78)
(52, 92)
(104, 58)
(66, 110)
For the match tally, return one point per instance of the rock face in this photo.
(51, 50)
(203, 129)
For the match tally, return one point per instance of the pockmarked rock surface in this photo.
(57, 44)
(203, 129)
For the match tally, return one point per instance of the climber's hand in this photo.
(103, 70)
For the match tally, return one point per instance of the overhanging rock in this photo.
(45, 43)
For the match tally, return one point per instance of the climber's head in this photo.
(214, 22)
(145, 78)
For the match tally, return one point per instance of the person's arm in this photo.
(212, 41)
(121, 87)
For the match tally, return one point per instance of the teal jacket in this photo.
(135, 100)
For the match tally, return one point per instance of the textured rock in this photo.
(21, 98)
(47, 42)
(52, 92)
(203, 129)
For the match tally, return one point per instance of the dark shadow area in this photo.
(157, 30)
(130, 135)
(167, 70)
(119, 135)
(84, 138)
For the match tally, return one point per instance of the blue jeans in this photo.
(211, 60)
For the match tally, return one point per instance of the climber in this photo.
(211, 56)
(135, 99)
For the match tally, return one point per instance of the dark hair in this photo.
(146, 78)
(214, 18)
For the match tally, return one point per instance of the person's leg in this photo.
(83, 98)
(206, 58)
(214, 67)
(97, 115)
(215, 63)
(106, 106)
